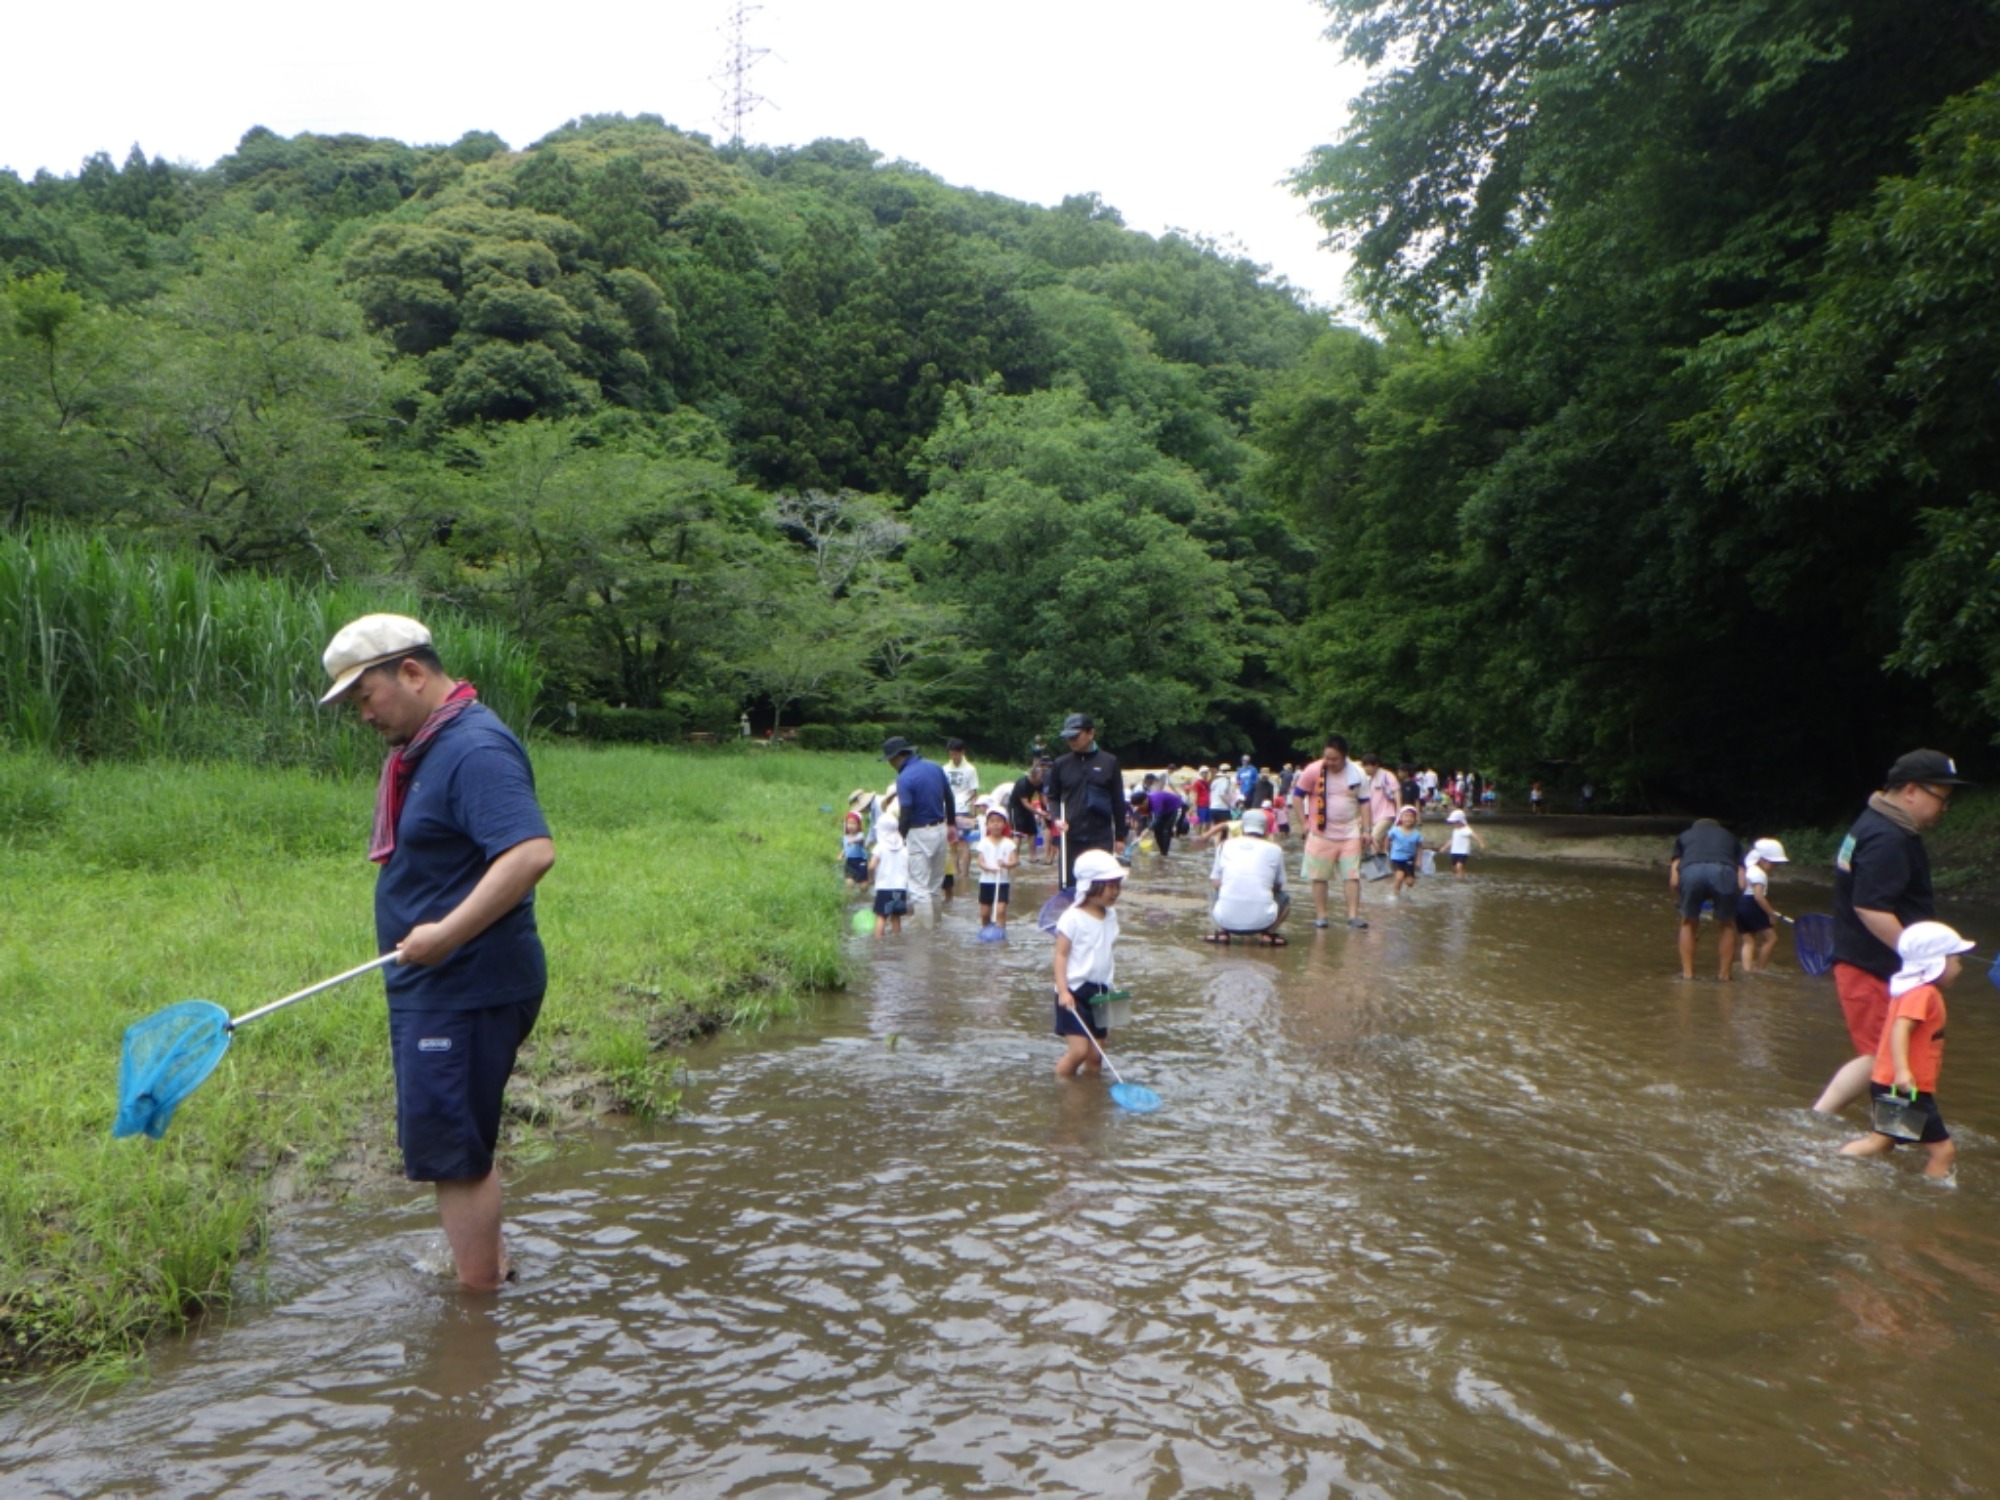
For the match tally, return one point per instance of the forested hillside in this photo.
(1668, 458)
(797, 428)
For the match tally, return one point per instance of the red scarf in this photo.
(401, 767)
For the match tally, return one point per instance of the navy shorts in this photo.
(1934, 1130)
(1715, 883)
(1405, 866)
(451, 1071)
(1458, 861)
(892, 903)
(1073, 1022)
(988, 891)
(1750, 917)
(857, 871)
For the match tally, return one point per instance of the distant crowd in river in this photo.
(916, 844)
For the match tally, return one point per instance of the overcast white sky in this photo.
(1182, 113)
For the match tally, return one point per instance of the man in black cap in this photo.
(1881, 884)
(923, 806)
(1087, 795)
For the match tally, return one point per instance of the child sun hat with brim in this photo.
(1924, 947)
(1769, 852)
(1454, 816)
(1094, 865)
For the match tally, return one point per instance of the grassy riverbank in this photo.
(691, 890)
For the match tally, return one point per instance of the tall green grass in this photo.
(691, 888)
(113, 652)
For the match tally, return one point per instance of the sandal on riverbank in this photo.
(1273, 939)
(1217, 937)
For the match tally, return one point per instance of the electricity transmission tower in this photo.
(732, 79)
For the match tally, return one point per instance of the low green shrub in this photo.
(628, 726)
(34, 797)
(866, 737)
(822, 737)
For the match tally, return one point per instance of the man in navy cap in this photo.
(1881, 884)
(1087, 795)
(923, 808)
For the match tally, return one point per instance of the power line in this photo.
(732, 79)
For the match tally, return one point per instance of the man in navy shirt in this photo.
(462, 843)
(924, 804)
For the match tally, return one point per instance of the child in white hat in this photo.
(1083, 966)
(1755, 915)
(1463, 837)
(1911, 1053)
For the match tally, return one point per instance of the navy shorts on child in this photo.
(989, 893)
(892, 903)
(1074, 1022)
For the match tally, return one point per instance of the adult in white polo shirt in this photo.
(1249, 879)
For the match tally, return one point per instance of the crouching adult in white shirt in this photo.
(1249, 879)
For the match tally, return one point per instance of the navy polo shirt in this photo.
(471, 800)
(923, 792)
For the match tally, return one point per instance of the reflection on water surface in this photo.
(1481, 1201)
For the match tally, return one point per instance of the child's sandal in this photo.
(1221, 938)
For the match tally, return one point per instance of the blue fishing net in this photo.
(166, 1057)
(1135, 1097)
(1812, 936)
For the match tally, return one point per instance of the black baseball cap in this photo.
(1075, 725)
(1933, 766)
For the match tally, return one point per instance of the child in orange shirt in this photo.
(1911, 1052)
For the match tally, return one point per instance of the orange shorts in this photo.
(1864, 1000)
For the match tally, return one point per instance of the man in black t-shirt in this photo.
(1881, 884)
(1087, 794)
(1707, 867)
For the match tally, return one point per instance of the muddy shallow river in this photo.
(1479, 1202)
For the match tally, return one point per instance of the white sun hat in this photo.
(1095, 864)
(1923, 947)
(1770, 852)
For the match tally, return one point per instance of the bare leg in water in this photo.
(1848, 1086)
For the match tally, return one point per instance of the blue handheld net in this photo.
(1135, 1097)
(1812, 935)
(166, 1057)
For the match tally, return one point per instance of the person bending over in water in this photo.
(1755, 915)
(1083, 965)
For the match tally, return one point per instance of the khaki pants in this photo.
(928, 862)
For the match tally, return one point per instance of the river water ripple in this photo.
(1479, 1202)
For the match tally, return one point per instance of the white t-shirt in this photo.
(1090, 940)
(1461, 839)
(1252, 872)
(1224, 792)
(892, 867)
(1757, 880)
(963, 780)
(993, 861)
